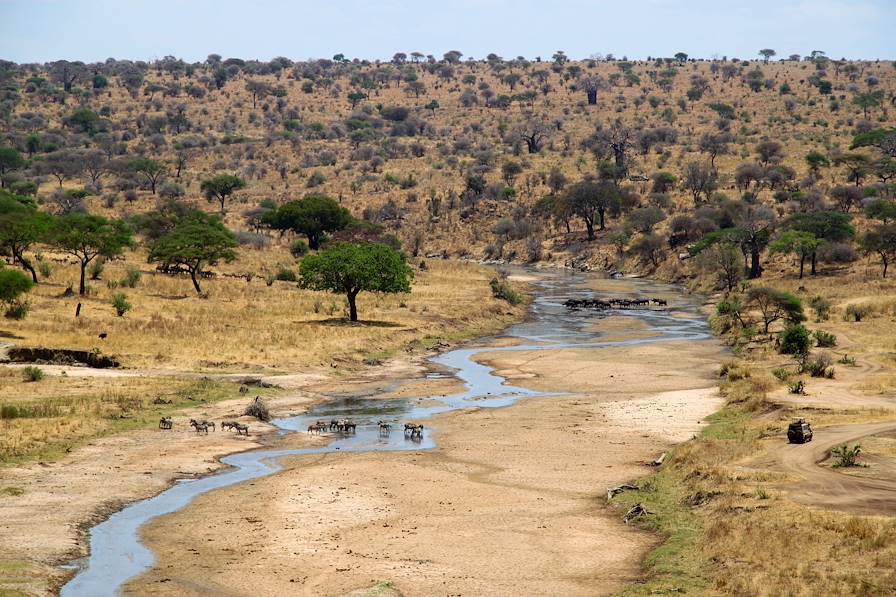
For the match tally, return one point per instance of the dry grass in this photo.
(728, 533)
(251, 326)
(43, 420)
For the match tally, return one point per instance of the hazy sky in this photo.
(92, 30)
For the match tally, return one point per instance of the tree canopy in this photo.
(350, 269)
(314, 216)
(220, 187)
(87, 237)
(21, 225)
(196, 241)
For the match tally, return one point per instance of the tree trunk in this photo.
(802, 265)
(27, 265)
(352, 306)
(82, 286)
(313, 241)
(589, 224)
(814, 262)
(592, 97)
(600, 213)
(195, 281)
(755, 269)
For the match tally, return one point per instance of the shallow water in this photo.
(116, 553)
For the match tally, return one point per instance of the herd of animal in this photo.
(613, 303)
(345, 426)
(202, 426)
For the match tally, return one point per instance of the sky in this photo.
(93, 30)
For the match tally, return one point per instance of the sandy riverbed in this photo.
(511, 501)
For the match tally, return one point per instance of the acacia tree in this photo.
(350, 269)
(801, 244)
(590, 200)
(829, 226)
(775, 305)
(87, 237)
(21, 225)
(881, 240)
(724, 259)
(314, 216)
(258, 89)
(755, 223)
(10, 159)
(154, 171)
(220, 187)
(198, 240)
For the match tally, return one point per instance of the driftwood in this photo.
(636, 511)
(611, 493)
(659, 461)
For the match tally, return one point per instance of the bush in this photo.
(17, 310)
(45, 270)
(824, 339)
(131, 278)
(847, 360)
(857, 312)
(781, 374)
(846, 456)
(797, 387)
(299, 249)
(505, 291)
(32, 374)
(820, 366)
(96, 269)
(258, 409)
(121, 304)
(286, 275)
(822, 307)
(795, 340)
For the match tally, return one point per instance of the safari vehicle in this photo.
(799, 432)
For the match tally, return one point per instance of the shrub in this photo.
(820, 366)
(96, 269)
(121, 304)
(32, 374)
(821, 306)
(131, 278)
(781, 374)
(824, 339)
(857, 312)
(795, 340)
(299, 248)
(286, 275)
(17, 310)
(505, 291)
(846, 456)
(797, 387)
(258, 409)
(847, 360)
(45, 270)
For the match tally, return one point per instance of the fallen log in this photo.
(636, 511)
(611, 493)
(659, 461)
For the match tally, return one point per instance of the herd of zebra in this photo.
(202, 426)
(411, 430)
(613, 303)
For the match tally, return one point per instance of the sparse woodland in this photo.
(177, 201)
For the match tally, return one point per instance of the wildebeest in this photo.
(166, 423)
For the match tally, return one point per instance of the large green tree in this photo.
(350, 269)
(881, 240)
(21, 225)
(220, 187)
(152, 170)
(13, 284)
(801, 244)
(87, 237)
(591, 200)
(314, 216)
(196, 241)
(831, 226)
(10, 159)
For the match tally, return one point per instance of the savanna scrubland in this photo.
(765, 184)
